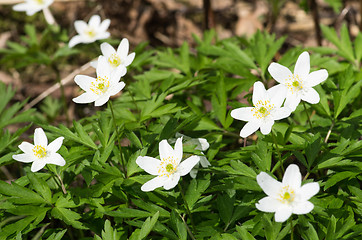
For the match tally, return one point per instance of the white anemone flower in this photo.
(288, 196)
(201, 144)
(300, 84)
(267, 108)
(41, 153)
(169, 169)
(100, 89)
(91, 32)
(32, 6)
(119, 58)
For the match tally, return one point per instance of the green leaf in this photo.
(19, 194)
(57, 236)
(68, 216)
(40, 186)
(244, 234)
(178, 226)
(337, 178)
(225, 205)
(128, 213)
(196, 188)
(243, 169)
(148, 226)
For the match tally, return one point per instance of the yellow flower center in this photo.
(90, 32)
(286, 195)
(114, 60)
(39, 2)
(39, 151)
(262, 109)
(100, 85)
(294, 83)
(167, 167)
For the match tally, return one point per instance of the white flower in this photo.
(99, 90)
(299, 85)
(41, 153)
(202, 145)
(169, 169)
(267, 108)
(288, 196)
(32, 6)
(119, 58)
(90, 32)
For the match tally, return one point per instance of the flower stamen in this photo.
(100, 85)
(262, 109)
(286, 195)
(168, 166)
(294, 83)
(114, 60)
(39, 151)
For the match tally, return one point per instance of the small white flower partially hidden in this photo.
(119, 58)
(100, 89)
(32, 6)
(41, 153)
(202, 145)
(288, 196)
(169, 169)
(267, 108)
(91, 32)
(300, 84)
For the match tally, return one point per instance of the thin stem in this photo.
(187, 207)
(65, 105)
(329, 132)
(134, 102)
(119, 142)
(310, 123)
(277, 148)
(306, 176)
(187, 228)
(56, 177)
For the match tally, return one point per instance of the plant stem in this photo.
(277, 148)
(119, 142)
(329, 132)
(308, 117)
(134, 102)
(187, 228)
(187, 207)
(56, 177)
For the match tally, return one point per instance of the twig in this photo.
(56, 86)
(208, 15)
(329, 132)
(314, 8)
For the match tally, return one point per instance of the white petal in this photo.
(26, 158)
(249, 128)
(259, 92)
(277, 94)
(204, 144)
(268, 204)
(94, 21)
(281, 113)
(123, 48)
(117, 73)
(80, 26)
(27, 148)
(279, 72)
(102, 35)
(102, 100)
(103, 68)
(75, 40)
(129, 59)
(149, 164)
(307, 191)
(178, 150)
(292, 177)
(83, 81)
(55, 158)
(283, 213)
(165, 150)
(266, 126)
(193, 172)
(55, 145)
(104, 26)
(94, 64)
(302, 66)
(204, 162)
(316, 78)
(107, 49)
(21, 7)
(292, 102)
(40, 138)
(172, 181)
(269, 185)
(31, 11)
(185, 166)
(37, 165)
(302, 207)
(116, 88)
(153, 184)
(311, 96)
(243, 114)
(86, 97)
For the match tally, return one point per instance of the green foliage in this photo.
(192, 92)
